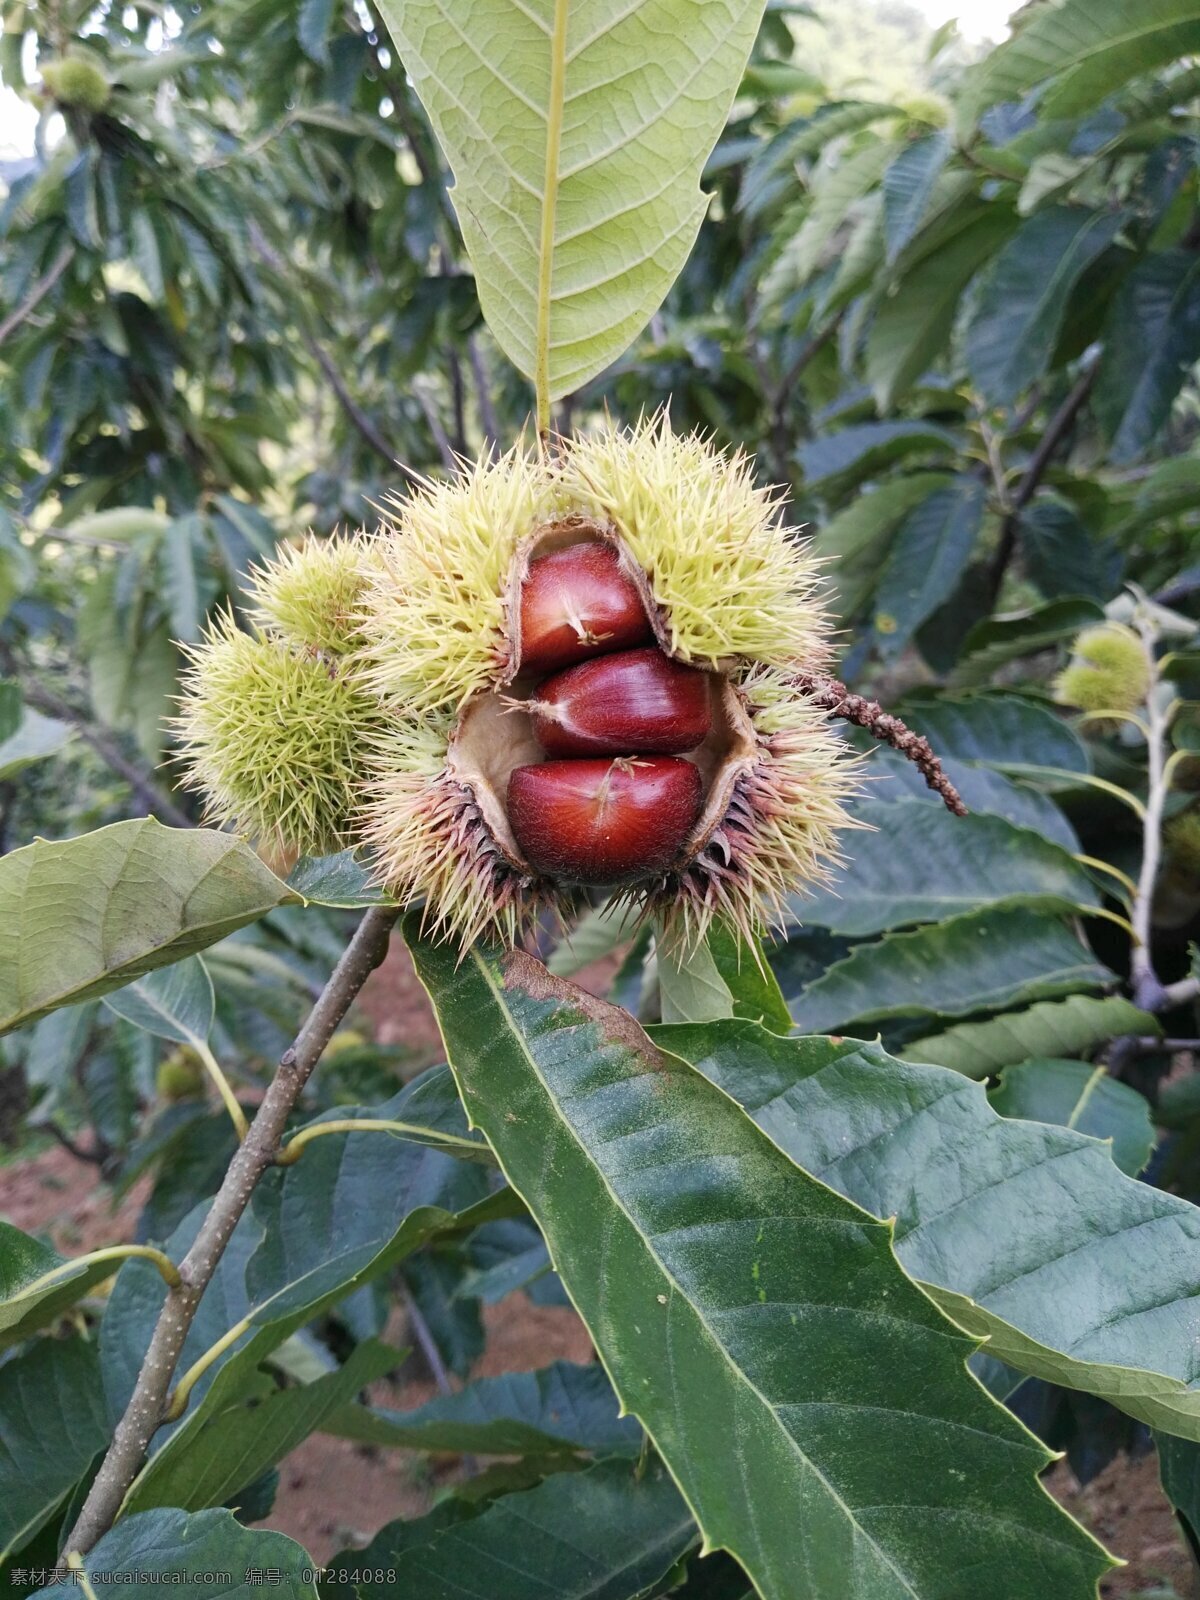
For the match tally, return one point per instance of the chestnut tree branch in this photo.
(1148, 992)
(38, 293)
(148, 1403)
(1056, 431)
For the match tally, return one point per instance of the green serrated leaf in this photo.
(1053, 1028)
(610, 1533)
(52, 1423)
(912, 326)
(1023, 301)
(757, 1325)
(1076, 1094)
(37, 1284)
(559, 1408)
(235, 1446)
(157, 1550)
(1087, 47)
(1000, 731)
(577, 135)
(1063, 558)
(979, 962)
(175, 1003)
(967, 863)
(1074, 1272)
(931, 547)
(1151, 344)
(908, 186)
(341, 880)
(81, 918)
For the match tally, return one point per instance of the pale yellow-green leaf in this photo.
(576, 131)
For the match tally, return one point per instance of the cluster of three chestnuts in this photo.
(615, 715)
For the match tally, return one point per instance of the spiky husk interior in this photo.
(430, 843)
(312, 593)
(729, 580)
(272, 736)
(778, 833)
(434, 605)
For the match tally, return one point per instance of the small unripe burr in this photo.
(579, 602)
(638, 701)
(604, 822)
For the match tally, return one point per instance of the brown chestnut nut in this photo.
(637, 701)
(576, 603)
(604, 821)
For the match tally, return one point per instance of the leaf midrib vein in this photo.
(741, 1375)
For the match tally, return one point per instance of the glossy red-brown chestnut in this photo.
(576, 603)
(604, 821)
(637, 702)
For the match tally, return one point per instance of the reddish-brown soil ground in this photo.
(333, 1493)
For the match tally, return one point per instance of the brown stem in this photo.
(834, 697)
(1056, 431)
(38, 293)
(106, 747)
(145, 1411)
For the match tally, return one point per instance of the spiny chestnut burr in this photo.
(371, 704)
(576, 603)
(601, 822)
(639, 701)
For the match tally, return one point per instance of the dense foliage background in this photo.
(955, 311)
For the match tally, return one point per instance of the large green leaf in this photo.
(1076, 1094)
(209, 1552)
(577, 134)
(83, 917)
(559, 1409)
(1052, 1028)
(175, 1003)
(233, 1447)
(37, 1284)
(908, 186)
(913, 325)
(856, 452)
(1021, 307)
(1152, 341)
(756, 1324)
(610, 1533)
(984, 790)
(1088, 47)
(979, 962)
(932, 546)
(1064, 558)
(995, 641)
(851, 542)
(52, 1423)
(966, 863)
(33, 739)
(1029, 1232)
(1001, 731)
(349, 1208)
